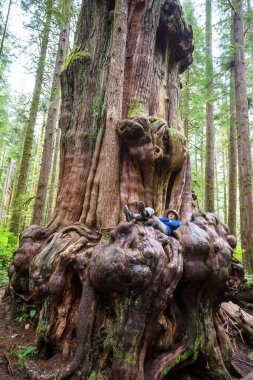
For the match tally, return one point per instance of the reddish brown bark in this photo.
(150, 87)
(109, 158)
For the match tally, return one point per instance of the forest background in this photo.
(23, 27)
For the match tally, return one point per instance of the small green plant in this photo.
(8, 242)
(31, 313)
(250, 355)
(239, 252)
(26, 351)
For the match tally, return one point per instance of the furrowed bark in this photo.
(110, 152)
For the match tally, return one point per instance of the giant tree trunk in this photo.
(28, 143)
(129, 301)
(149, 66)
(243, 139)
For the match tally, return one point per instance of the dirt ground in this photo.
(14, 334)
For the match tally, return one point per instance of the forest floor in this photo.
(17, 340)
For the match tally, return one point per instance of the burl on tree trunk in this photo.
(121, 300)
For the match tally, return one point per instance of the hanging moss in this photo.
(75, 54)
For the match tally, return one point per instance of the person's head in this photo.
(172, 214)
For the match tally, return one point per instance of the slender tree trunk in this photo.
(54, 172)
(232, 175)
(35, 171)
(202, 165)
(6, 195)
(243, 139)
(3, 151)
(5, 28)
(187, 104)
(216, 186)
(224, 170)
(28, 143)
(209, 170)
(40, 200)
(250, 12)
(196, 153)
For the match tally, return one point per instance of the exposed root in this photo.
(87, 312)
(148, 304)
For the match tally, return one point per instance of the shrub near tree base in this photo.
(7, 243)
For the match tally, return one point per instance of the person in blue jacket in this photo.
(165, 225)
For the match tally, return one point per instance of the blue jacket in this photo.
(171, 224)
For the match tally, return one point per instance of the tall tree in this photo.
(224, 172)
(187, 104)
(210, 136)
(35, 171)
(232, 176)
(54, 176)
(243, 137)
(24, 167)
(40, 199)
(195, 93)
(5, 28)
(250, 24)
(6, 195)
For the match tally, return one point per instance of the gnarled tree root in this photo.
(148, 305)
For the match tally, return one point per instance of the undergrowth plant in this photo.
(7, 244)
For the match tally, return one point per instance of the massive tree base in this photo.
(132, 303)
